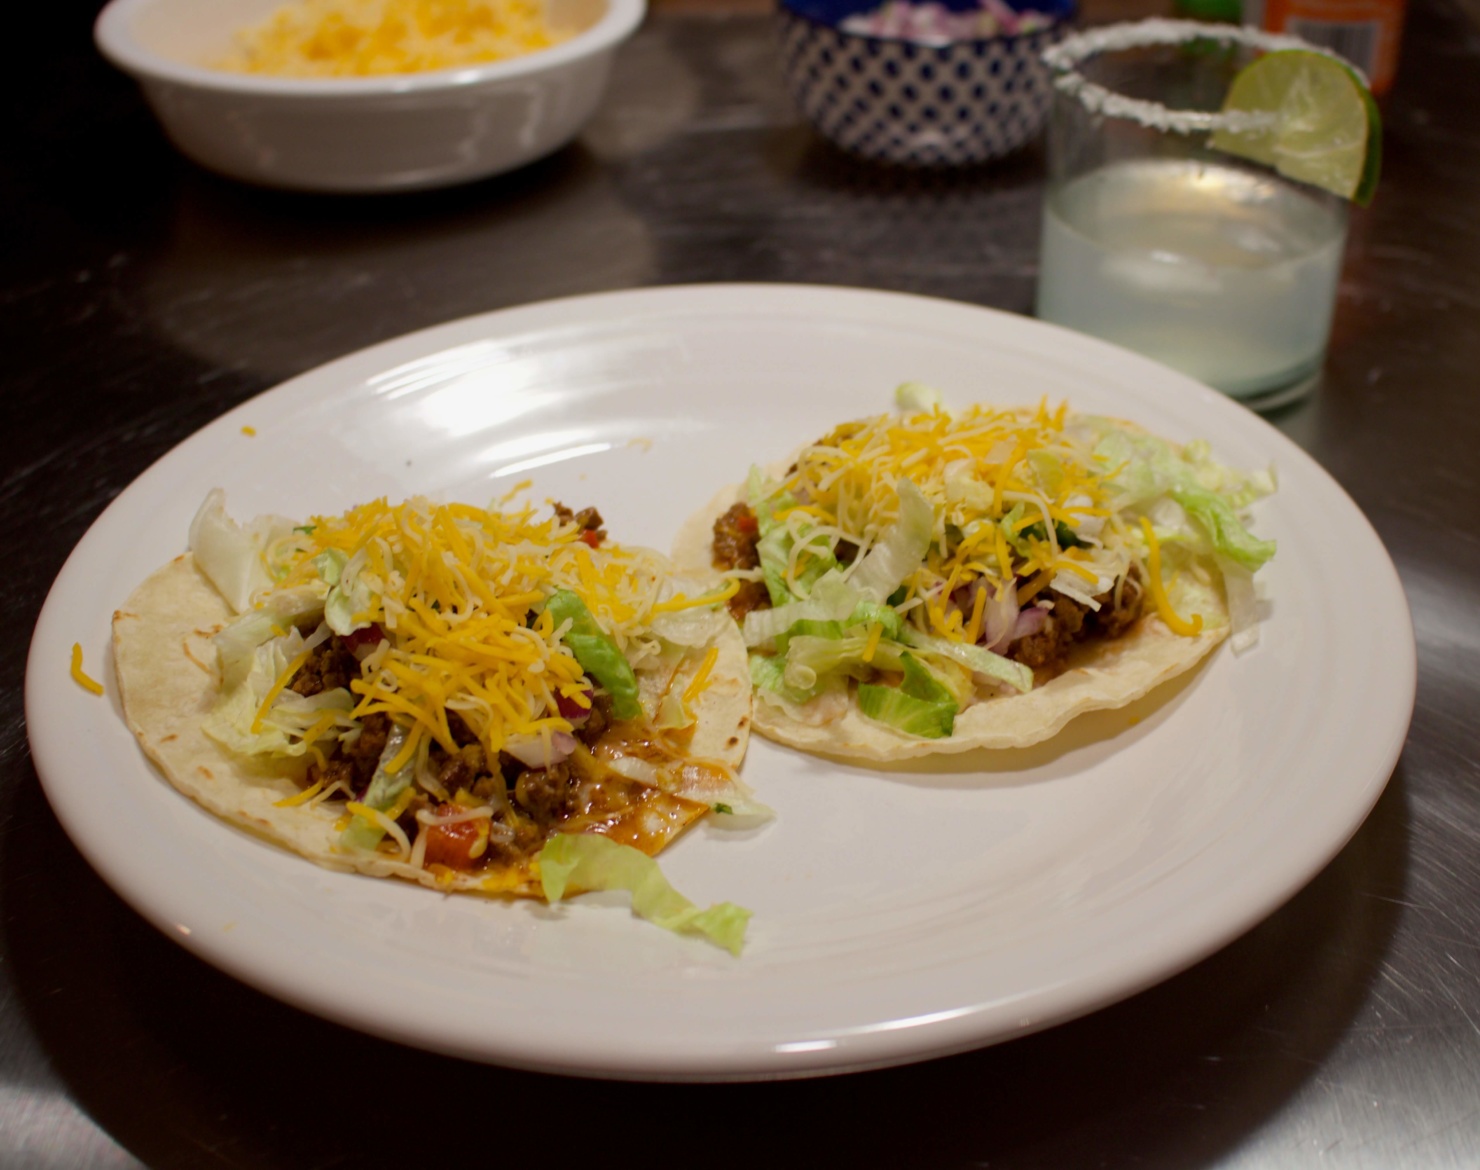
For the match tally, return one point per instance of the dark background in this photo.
(142, 297)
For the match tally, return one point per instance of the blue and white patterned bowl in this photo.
(917, 105)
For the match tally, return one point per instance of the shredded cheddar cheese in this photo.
(80, 677)
(678, 601)
(978, 610)
(302, 797)
(701, 676)
(920, 563)
(366, 38)
(444, 605)
(1174, 622)
(383, 821)
(1000, 483)
(277, 688)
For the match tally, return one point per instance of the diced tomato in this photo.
(452, 845)
(591, 538)
(364, 640)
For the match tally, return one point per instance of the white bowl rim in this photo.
(114, 37)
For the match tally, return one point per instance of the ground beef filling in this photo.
(736, 535)
(1069, 623)
(530, 804)
(588, 520)
(330, 665)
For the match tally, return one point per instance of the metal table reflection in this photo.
(143, 297)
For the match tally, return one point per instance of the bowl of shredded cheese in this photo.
(368, 95)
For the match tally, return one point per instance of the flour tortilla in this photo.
(1100, 675)
(165, 664)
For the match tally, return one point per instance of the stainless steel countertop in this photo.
(143, 297)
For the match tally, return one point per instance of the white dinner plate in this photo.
(900, 913)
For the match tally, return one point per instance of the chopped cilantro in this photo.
(1068, 538)
(724, 808)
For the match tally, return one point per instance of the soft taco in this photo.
(935, 582)
(475, 700)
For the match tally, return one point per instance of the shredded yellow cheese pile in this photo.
(366, 38)
(454, 588)
(989, 475)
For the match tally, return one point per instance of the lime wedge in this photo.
(1324, 128)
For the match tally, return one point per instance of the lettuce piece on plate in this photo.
(586, 861)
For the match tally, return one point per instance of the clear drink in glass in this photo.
(1219, 268)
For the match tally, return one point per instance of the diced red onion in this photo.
(1000, 618)
(1029, 621)
(932, 23)
(536, 752)
(571, 711)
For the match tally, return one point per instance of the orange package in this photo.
(1365, 32)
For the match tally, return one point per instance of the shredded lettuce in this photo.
(237, 643)
(773, 551)
(809, 659)
(768, 676)
(808, 629)
(963, 487)
(231, 556)
(249, 674)
(352, 594)
(1243, 605)
(385, 789)
(330, 565)
(974, 658)
(901, 549)
(916, 396)
(763, 503)
(868, 613)
(698, 626)
(774, 546)
(673, 713)
(1049, 469)
(587, 861)
(832, 600)
(1228, 535)
(1148, 470)
(920, 705)
(596, 652)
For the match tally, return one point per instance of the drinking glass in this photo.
(1152, 239)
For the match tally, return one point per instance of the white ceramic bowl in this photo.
(393, 133)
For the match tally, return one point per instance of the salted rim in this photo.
(1097, 99)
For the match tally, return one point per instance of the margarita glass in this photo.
(1218, 267)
